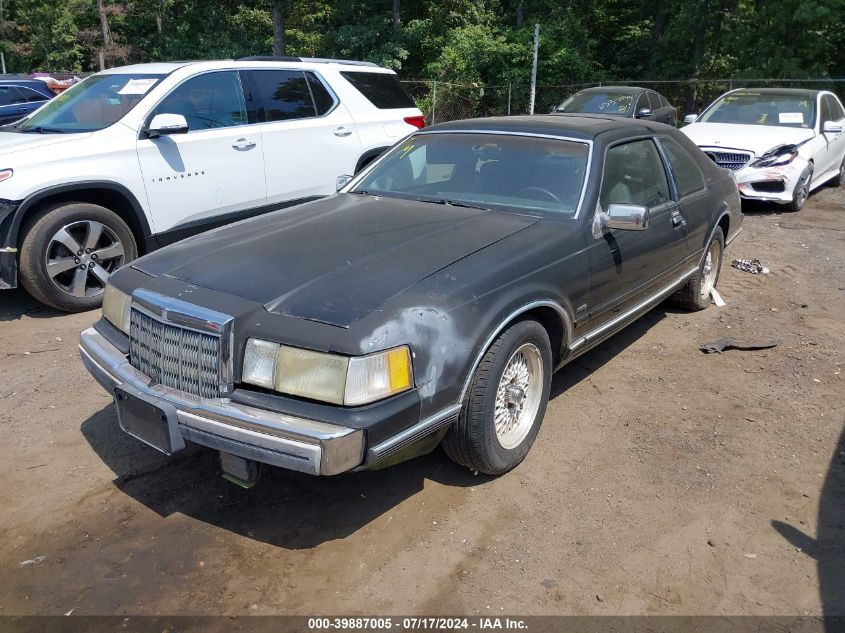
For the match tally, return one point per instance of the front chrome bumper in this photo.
(265, 436)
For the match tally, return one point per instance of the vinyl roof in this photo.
(581, 126)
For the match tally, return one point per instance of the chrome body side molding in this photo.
(583, 343)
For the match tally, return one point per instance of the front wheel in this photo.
(695, 295)
(504, 407)
(69, 251)
(801, 191)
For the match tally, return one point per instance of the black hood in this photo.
(334, 260)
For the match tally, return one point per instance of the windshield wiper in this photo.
(44, 130)
(453, 203)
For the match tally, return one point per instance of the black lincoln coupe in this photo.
(430, 300)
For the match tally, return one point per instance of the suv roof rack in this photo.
(327, 60)
(267, 58)
(309, 60)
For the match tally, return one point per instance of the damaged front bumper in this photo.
(770, 184)
(278, 439)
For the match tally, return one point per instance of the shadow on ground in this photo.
(289, 509)
(16, 303)
(828, 548)
(285, 509)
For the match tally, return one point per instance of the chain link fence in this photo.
(443, 101)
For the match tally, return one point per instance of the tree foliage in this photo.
(461, 41)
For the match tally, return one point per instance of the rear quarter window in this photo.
(684, 167)
(383, 90)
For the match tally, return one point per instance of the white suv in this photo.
(137, 157)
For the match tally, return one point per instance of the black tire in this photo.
(40, 244)
(694, 296)
(472, 440)
(801, 191)
(839, 179)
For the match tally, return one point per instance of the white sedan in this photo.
(780, 143)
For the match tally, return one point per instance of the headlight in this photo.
(116, 304)
(776, 160)
(327, 377)
(377, 376)
(260, 363)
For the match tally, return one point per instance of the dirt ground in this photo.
(664, 480)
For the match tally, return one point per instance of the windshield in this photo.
(93, 104)
(763, 108)
(512, 173)
(607, 102)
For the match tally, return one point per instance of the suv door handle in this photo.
(677, 218)
(342, 130)
(243, 144)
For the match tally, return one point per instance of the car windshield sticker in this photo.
(406, 149)
(617, 103)
(791, 117)
(137, 86)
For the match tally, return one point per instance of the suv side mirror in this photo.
(690, 118)
(626, 217)
(644, 113)
(166, 123)
(342, 181)
(831, 127)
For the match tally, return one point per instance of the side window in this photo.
(642, 102)
(836, 112)
(32, 96)
(687, 174)
(6, 95)
(654, 100)
(16, 95)
(634, 174)
(323, 100)
(208, 101)
(663, 102)
(284, 95)
(826, 114)
(383, 90)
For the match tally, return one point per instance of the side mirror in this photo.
(831, 127)
(166, 123)
(342, 181)
(644, 113)
(626, 217)
(691, 118)
(552, 109)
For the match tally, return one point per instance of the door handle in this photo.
(243, 144)
(342, 131)
(23, 109)
(677, 218)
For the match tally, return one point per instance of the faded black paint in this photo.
(353, 274)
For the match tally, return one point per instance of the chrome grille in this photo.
(175, 356)
(729, 160)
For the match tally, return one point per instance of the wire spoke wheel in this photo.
(80, 257)
(710, 270)
(518, 396)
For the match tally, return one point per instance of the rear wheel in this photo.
(506, 402)
(695, 295)
(69, 251)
